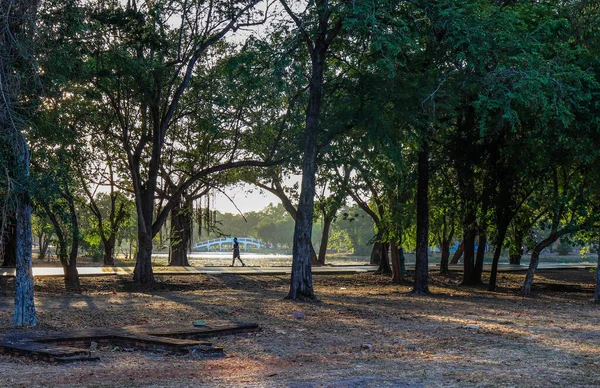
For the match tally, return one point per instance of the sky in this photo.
(247, 198)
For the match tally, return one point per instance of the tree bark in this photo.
(301, 279)
(478, 269)
(515, 257)
(459, 252)
(469, 255)
(142, 273)
(109, 250)
(181, 218)
(422, 261)
(44, 242)
(597, 291)
(384, 260)
(445, 257)
(535, 259)
(375, 257)
(24, 314)
(327, 220)
(499, 242)
(396, 266)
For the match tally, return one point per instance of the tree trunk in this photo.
(478, 269)
(402, 260)
(376, 253)
(384, 260)
(535, 259)
(143, 264)
(597, 291)
(180, 234)
(301, 278)
(396, 267)
(422, 260)
(327, 220)
(301, 286)
(515, 257)
(24, 314)
(72, 283)
(44, 242)
(109, 250)
(458, 254)
(499, 242)
(445, 257)
(469, 256)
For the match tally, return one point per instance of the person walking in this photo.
(236, 253)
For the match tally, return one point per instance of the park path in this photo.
(124, 271)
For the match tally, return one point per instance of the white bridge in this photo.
(244, 242)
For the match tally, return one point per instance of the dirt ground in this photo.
(365, 332)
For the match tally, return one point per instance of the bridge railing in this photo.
(241, 240)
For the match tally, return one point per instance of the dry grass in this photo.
(364, 332)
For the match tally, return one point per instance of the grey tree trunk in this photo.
(301, 286)
(24, 311)
(535, 259)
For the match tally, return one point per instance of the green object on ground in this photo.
(199, 322)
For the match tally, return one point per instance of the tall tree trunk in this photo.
(301, 286)
(597, 291)
(422, 260)
(501, 234)
(71, 274)
(24, 314)
(535, 259)
(44, 242)
(478, 269)
(181, 218)
(327, 220)
(143, 273)
(396, 267)
(458, 254)
(445, 257)
(469, 255)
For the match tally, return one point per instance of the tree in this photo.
(17, 23)
(143, 74)
(324, 24)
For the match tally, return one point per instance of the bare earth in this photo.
(365, 332)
